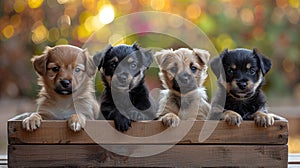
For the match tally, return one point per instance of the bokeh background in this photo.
(28, 26)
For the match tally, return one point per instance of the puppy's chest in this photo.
(64, 112)
(243, 108)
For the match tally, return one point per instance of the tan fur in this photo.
(232, 117)
(198, 107)
(76, 107)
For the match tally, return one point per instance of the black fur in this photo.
(251, 101)
(113, 63)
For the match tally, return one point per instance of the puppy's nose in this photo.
(242, 85)
(122, 76)
(184, 77)
(65, 83)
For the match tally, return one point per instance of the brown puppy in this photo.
(65, 74)
(182, 73)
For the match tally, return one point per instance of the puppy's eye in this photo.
(229, 71)
(173, 69)
(133, 65)
(55, 69)
(113, 65)
(251, 71)
(193, 68)
(77, 70)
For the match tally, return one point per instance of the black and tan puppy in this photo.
(240, 74)
(65, 75)
(125, 98)
(182, 73)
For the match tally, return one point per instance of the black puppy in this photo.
(125, 97)
(240, 74)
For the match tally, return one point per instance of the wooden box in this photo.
(149, 144)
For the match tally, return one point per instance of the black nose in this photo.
(242, 85)
(65, 83)
(184, 77)
(122, 77)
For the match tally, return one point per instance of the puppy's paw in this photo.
(170, 120)
(136, 116)
(232, 118)
(76, 122)
(122, 123)
(32, 122)
(262, 119)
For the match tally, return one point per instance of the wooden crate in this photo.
(201, 146)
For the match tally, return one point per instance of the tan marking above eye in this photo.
(130, 60)
(248, 66)
(115, 59)
(51, 65)
(233, 66)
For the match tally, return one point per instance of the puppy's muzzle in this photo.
(65, 84)
(184, 78)
(242, 84)
(64, 87)
(122, 77)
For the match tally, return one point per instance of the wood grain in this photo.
(178, 156)
(153, 132)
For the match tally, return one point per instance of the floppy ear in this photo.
(265, 63)
(89, 64)
(217, 65)
(40, 62)
(99, 57)
(202, 54)
(136, 46)
(160, 56)
(147, 57)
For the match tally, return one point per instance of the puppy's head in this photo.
(123, 66)
(182, 70)
(64, 68)
(243, 73)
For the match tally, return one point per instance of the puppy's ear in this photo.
(89, 64)
(136, 46)
(202, 54)
(217, 65)
(147, 58)
(99, 57)
(265, 63)
(40, 62)
(160, 56)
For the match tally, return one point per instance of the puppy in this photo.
(182, 73)
(125, 97)
(65, 75)
(240, 96)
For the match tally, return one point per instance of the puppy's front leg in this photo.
(262, 119)
(32, 122)
(232, 118)
(170, 120)
(76, 122)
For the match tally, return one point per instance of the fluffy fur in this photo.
(182, 73)
(125, 97)
(240, 74)
(65, 75)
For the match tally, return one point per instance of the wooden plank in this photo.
(153, 132)
(178, 156)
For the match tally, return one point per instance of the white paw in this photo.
(32, 122)
(170, 120)
(75, 126)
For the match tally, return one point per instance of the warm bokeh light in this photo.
(19, 6)
(8, 31)
(39, 33)
(106, 14)
(35, 3)
(247, 16)
(193, 11)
